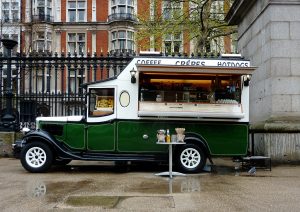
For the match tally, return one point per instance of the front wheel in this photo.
(190, 158)
(36, 157)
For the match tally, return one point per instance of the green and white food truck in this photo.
(203, 103)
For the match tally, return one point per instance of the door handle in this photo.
(145, 136)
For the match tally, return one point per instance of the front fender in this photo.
(40, 134)
(43, 136)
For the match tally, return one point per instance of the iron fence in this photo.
(45, 84)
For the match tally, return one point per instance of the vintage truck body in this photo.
(209, 98)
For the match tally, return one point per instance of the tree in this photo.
(201, 21)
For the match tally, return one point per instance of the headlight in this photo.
(25, 130)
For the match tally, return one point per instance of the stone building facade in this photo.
(269, 35)
(89, 26)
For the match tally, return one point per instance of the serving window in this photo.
(189, 87)
(192, 95)
(101, 102)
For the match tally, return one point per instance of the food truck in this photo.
(201, 102)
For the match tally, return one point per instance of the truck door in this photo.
(139, 136)
(101, 119)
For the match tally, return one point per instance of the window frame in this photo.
(108, 109)
(168, 8)
(116, 40)
(45, 40)
(172, 40)
(11, 12)
(77, 10)
(76, 42)
(115, 6)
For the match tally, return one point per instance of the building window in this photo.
(77, 77)
(171, 9)
(234, 43)
(44, 8)
(76, 43)
(122, 40)
(10, 11)
(122, 6)
(43, 41)
(76, 10)
(173, 43)
(217, 10)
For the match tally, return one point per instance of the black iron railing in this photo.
(42, 18)
(50, 85)
(46, 84)
(122, 17)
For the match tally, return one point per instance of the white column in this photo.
(94, 10)
(57, 10)
(94, 40)
(28, 7)
(57, 42)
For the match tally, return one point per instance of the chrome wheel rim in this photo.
(36, 157)
(190, 158)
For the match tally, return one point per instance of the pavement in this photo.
(102, 186)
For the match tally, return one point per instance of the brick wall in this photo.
(143, 7)
(102, 10)
(89, 42)
(63, 10)
(101, 41)
(186, 42)
(23, 9)
(89, 10)
(227, 44)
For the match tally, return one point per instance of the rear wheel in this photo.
(190, 158)
(36, 157)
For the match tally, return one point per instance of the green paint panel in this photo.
(56, 129)
(75, 136)
(222, 138)
(130, 137)
(225, 139)
(101, 137)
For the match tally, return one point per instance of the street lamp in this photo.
(8, 121)
(133, 73)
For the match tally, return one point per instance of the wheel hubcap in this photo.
(36, 157)
(190, 158)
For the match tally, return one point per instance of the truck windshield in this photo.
(101, 102)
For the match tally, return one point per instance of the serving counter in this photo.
(191, 110)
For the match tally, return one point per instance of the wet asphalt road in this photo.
(97, 186)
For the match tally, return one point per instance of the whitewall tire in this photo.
(190, 158)
(36, 157)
